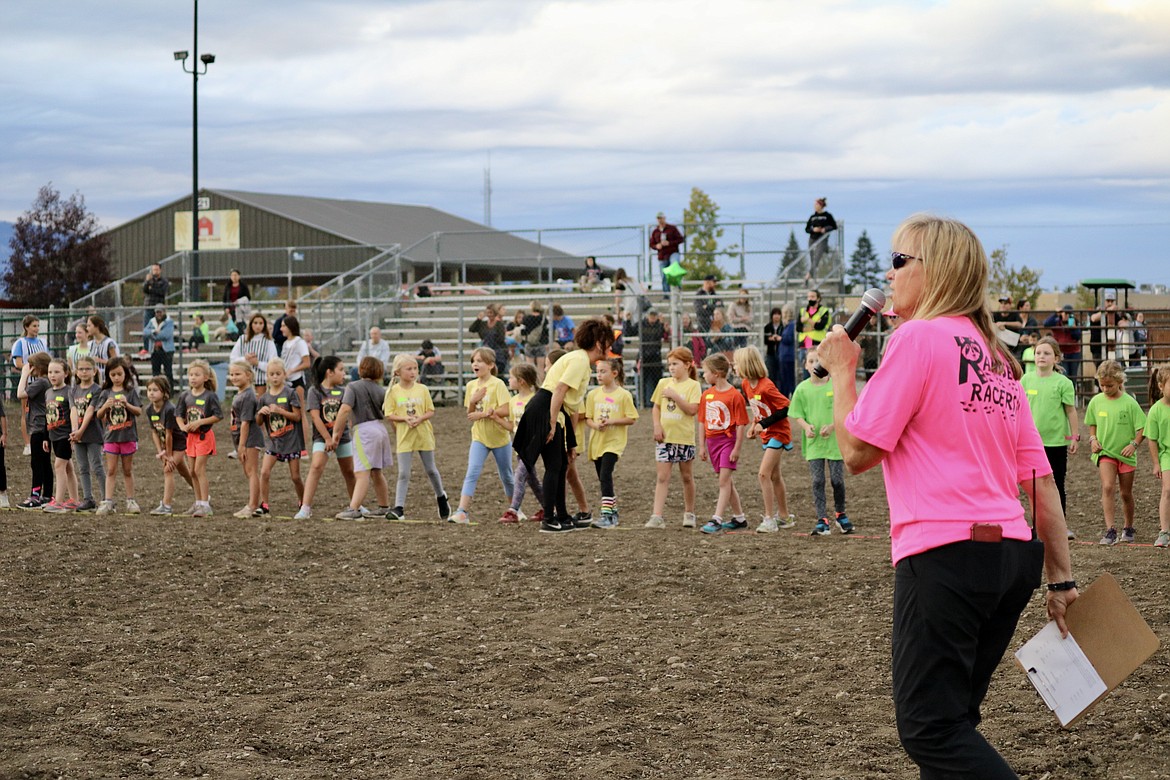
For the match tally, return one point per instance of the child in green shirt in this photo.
(1115, 424)
(1052, 399)
(1158, 435)
(812, 409)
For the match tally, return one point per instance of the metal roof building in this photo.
(270, 237)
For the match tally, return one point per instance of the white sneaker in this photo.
(655, 521)
(520, 514)
(304, 513)
(767, 526)
(162, 509)
(460, 516)
(105, 507)
(245, 512)
(787, 522)
(689, 520)
(132, 507)
(27, 450)
(4, 501)
(232, 454)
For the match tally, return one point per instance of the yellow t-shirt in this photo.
(678, 427)
(486, 431)
(519, 404)
(573, 370)
(417, 401)
(603, 404)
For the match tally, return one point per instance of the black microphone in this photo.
(871, 303)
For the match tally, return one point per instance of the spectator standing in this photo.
(256, 347)
(818, 227)
(1101, 325)
(159, 332)
(78, 348)
(376, 347)
(629, 294)
(1067, 333)
(665, 240)
(773, 334)
(236, 299)
(492, 333)
(814, 323)
(706, 302)
(535, 336)
(29, 344)
(1141, 336)
(290, 310)
(651, 333)
(739, 316)
(101, 346)
(154, 291)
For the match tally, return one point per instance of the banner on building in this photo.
(217, 230)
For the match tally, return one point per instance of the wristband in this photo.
(1066, 585)
(1075, 437)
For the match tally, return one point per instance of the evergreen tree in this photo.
(701, 227)
(865, 267)
(793, 263)
(57, 252)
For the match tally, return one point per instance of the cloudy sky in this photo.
(1036, 121)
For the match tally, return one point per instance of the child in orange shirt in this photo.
(724, 415)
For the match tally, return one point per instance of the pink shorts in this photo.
(1122, 468)
(719, 450)
(120, 447)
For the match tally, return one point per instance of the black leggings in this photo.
(556, 466)
(42, 464)
(605, 466)
(1058, 459)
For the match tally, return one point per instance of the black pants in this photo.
(3, 473)
(161, 362)
(1058, 459)
(605, 466)
(651, 373)
(42, 464)
(955, 610)
(556, 466)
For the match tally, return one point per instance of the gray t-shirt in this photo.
(365, 398)
(121, 424)
(57, 420)
(164, 419)
(282, 436)
(244, 407)
(82, 398)
(327, 402)
(35, 418)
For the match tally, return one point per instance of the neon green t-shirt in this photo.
(1028, 359)
(1047, 397)
(602, 404)
(1118, 420)
(488, 432)
(678, 427)
(1158, 430)
(416, 401)
(813, 403)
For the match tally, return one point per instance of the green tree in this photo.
(794, 259)
(701, 225)
(1022, 282)
(57, 252)
(865, 267)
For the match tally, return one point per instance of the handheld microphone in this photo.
(871, 303)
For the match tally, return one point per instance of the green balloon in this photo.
(674, 274)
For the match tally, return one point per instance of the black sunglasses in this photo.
(897, 259)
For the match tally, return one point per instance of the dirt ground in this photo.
(139, 646)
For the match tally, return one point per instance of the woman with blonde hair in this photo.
(946, 417)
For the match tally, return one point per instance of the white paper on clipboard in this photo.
(1061, 673)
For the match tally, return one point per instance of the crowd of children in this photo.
(81, 432)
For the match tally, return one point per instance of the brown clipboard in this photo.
(1110, 631)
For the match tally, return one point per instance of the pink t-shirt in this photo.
(959, 437)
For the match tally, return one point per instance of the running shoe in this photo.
(1128, 535)
(1163, 539)
(348, 514)
(1109, 537)
(821, 528)
(304, 513)
(162, 509)
(843, 524)
(510, 516)
(655, 521)
(712, 527)
(132, 507)
(767, 526)
(689, 520)
(735, 525)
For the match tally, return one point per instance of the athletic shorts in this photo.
(343, 450)
(120, 447)
(61, 448)
(282, 457)
(200, 445)
(674, 453)
(775, 444)
(1122, 468)
(719, 450)
(371, 446)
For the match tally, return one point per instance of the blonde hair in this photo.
(955, 271)
(749, 363)
(526, 373)
(204, 366)
(244, 366)
(1052, 343)
(401, 360)
(717, 363)
(279, 364)
(486, 355)
(1111, 369)
(1158, 378)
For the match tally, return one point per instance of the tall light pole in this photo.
(206, 59)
